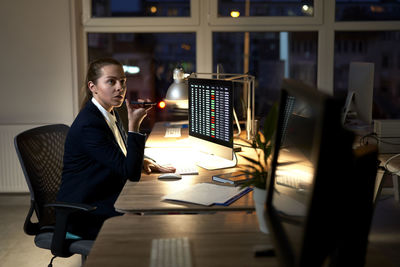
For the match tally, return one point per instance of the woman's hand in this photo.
(150, 166)
(136, 114)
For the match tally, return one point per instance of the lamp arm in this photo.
(237, 122)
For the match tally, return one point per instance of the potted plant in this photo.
(257, 168)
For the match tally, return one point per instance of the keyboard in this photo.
(173, 132)
(174, 252)
(291, 181)
(187, 169)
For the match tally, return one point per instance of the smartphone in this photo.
(144, 103)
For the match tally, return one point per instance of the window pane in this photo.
(140, 8)
(272, 56)
(149, 59)
(227, 8)
(380, 48)
(350, 10)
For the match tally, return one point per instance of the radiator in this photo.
(12, 179)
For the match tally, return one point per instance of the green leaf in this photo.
(260, 143)
(258, 168)
(267, 152)
(251, 160)
(251, 167)
(270, 123)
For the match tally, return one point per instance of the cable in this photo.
(375, 136)
(51, 261)
(242, 145)
(236, 160)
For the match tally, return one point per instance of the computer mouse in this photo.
(170, 176)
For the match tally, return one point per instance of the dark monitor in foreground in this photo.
(312, 196)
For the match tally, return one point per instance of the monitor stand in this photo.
(213, 162)
(350, 118)
(347, 106)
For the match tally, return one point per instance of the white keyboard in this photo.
(173, 132)
(291, 181)
(170, 252)
(187, 170)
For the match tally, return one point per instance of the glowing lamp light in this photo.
(308, 10)
(186, 47)
(235, 14)
(161, 104)
(153, 9)
(131, 69)
(377, 9)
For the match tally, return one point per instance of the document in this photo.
(208, 194)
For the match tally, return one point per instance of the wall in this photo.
(36, 71)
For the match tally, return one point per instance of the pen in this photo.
(144, 103)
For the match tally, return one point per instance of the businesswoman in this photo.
(99, 156)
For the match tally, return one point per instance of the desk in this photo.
(222, 239)
(145, 195)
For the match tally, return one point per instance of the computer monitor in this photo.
(360, 92)
(211, 121)
(312, 191)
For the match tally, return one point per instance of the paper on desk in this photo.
(206, 194)
(172, 132)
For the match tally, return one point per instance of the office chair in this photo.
(40, 151)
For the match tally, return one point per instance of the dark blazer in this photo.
(95, 169)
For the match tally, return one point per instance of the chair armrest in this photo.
(60, 245)
(72, 207)
(31, 228)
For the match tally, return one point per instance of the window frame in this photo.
(204, 21)
(266, 20)
(89, 21)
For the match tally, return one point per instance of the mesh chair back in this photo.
(40, 151)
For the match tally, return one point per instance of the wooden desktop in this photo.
(145, 195)
(221, 239)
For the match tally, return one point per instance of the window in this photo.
(232, 8)
(144, 8)
(367, 10)
(271, 57)
(148, 58)
(270, 39)
(380, 48)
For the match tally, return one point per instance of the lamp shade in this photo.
(178, 89)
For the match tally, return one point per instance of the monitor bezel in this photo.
(205, 138)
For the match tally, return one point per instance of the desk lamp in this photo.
(177, 94)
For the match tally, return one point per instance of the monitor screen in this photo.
(210, 110)
(311, 153)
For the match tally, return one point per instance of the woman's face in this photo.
(110, 88)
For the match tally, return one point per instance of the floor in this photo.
(384, 236)
(18, 249)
